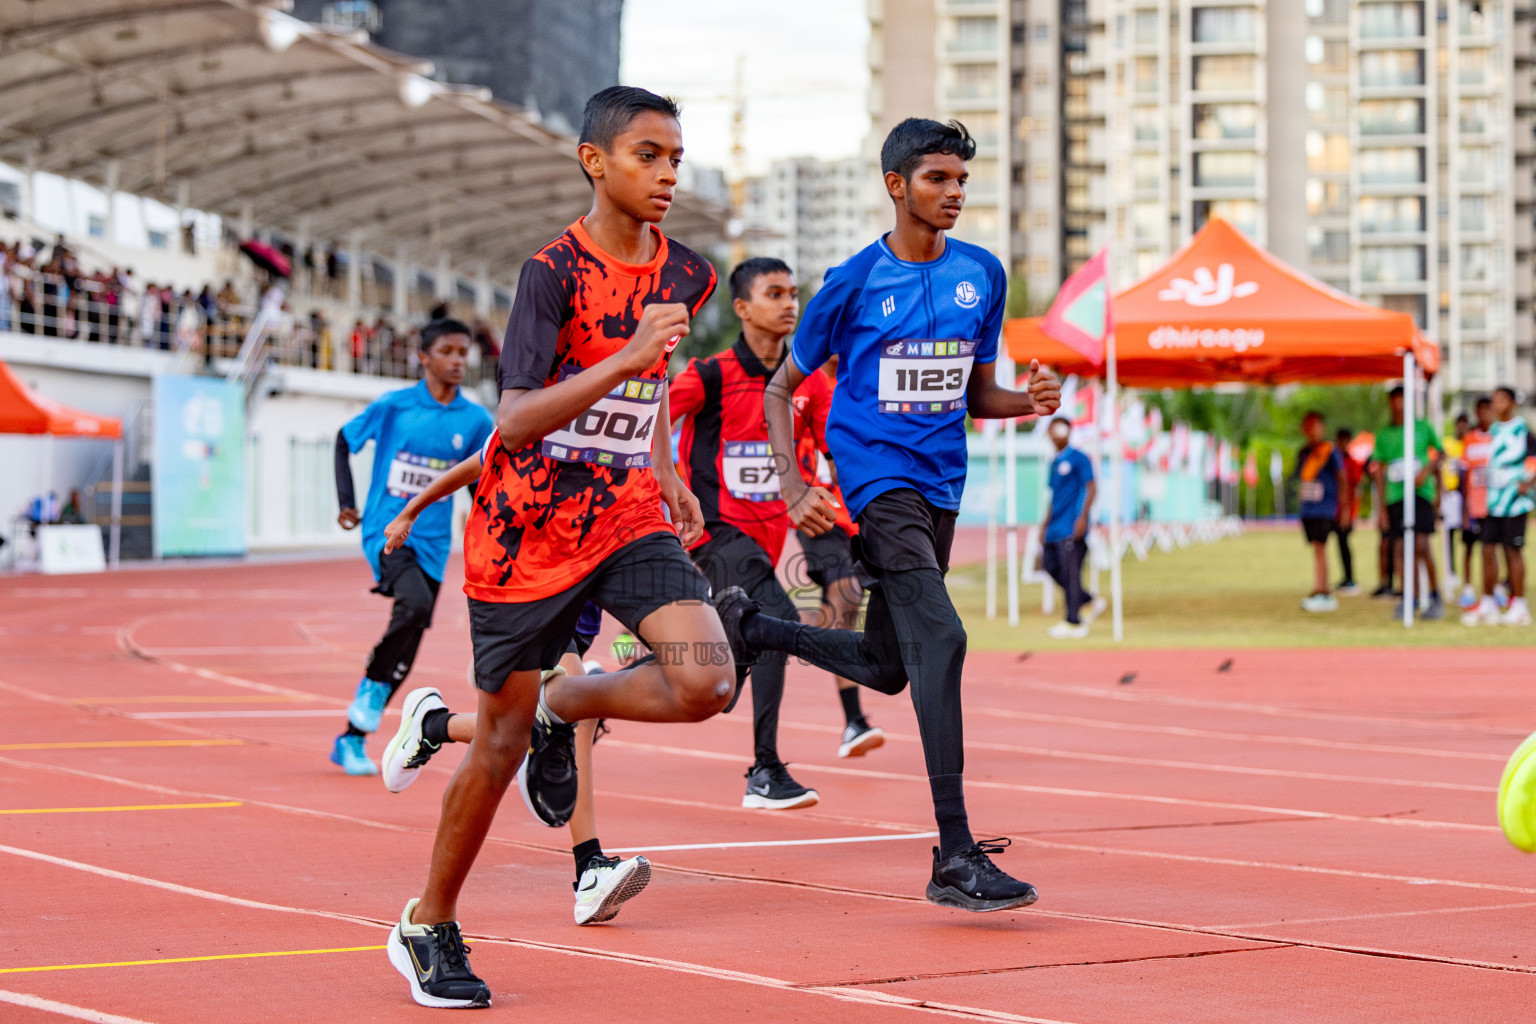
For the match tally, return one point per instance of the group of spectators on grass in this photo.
(1478, 483)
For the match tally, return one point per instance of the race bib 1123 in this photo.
(616, 431)
(925, 376)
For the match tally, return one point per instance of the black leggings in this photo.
(732, 559)
(415, 595)
(911, 629)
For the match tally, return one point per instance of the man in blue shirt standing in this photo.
(418, 433)
(914, 321)
(1064, 532)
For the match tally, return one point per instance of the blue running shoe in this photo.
(367, 707)
(348, 752)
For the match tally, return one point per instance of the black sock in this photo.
(585, 853)
(852, 710)
(434, 726)
(949, 811)
(353, 730)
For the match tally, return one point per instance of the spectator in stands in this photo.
(332, 271)
(7, 268)
(485, 341)
(149, 314)
(359, 347)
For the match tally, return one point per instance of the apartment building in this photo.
(1384, 146)
(813, 214)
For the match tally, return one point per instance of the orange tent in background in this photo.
(1224, 310)
(22, 411)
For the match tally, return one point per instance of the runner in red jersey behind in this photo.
(828, 558)
(728, 464)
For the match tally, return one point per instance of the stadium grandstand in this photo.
(268, 144)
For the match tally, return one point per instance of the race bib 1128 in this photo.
(925, 376)
(411, 474)
(616, 431)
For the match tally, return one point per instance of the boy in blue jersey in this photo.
(418, 434)
(1064, 532)
(914, 320)
(1322, 486)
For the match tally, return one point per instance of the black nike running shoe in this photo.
(770, 787)
(547, 777)
(969, 880)
(733, 605)
(435, 960)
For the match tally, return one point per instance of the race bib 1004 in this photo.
(410, 474)
(925, 376)
(616, 431)
(747, 471)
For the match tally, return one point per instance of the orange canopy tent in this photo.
(1224, 310)
(23, 411)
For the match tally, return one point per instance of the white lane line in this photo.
(126, 641)
(1272, 710)
(702, 970)
(1155, 762)
(32, 1002)
(182, 652)
(1237, 737)
(145, 716)
(1091, 794)
(1425, 912)
(1271, 866)
(775, 842)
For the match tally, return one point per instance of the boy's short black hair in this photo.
(1343, 433)
(1462, 417)
(748, 271)
(1312, 414)
(610, 111)
(438, 328)
(1507, 391)
(1482, 401)
(917, 137)
(1055, 420)
(1395, 391)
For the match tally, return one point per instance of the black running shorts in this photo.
(630, 584)
(901, 530)
(828, 558)
(1316, 529)
(1506, 530)
(1423, 518)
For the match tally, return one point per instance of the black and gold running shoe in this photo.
(435, 960)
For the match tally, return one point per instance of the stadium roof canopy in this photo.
(233, 107)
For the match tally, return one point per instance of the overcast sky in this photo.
(805, 74)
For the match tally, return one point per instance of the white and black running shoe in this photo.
(733, 605)
(859, 738)
(970, 881)
(435, 960)
(547, 777)
(607, 884)
(771, 788)
(408, 751)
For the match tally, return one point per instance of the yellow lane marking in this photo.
(187, 699)
(124, 807)
(100, 744)
(191, 959)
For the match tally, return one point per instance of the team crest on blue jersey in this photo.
(458, 441)
(966, 295)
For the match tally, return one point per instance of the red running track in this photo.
(1306, 836)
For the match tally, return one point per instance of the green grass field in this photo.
(1243, 592)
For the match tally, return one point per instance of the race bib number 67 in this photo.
(616, 431)
(925, 376)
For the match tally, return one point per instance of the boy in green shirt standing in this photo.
(1388, 470)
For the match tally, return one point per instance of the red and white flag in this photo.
(1080, 318)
